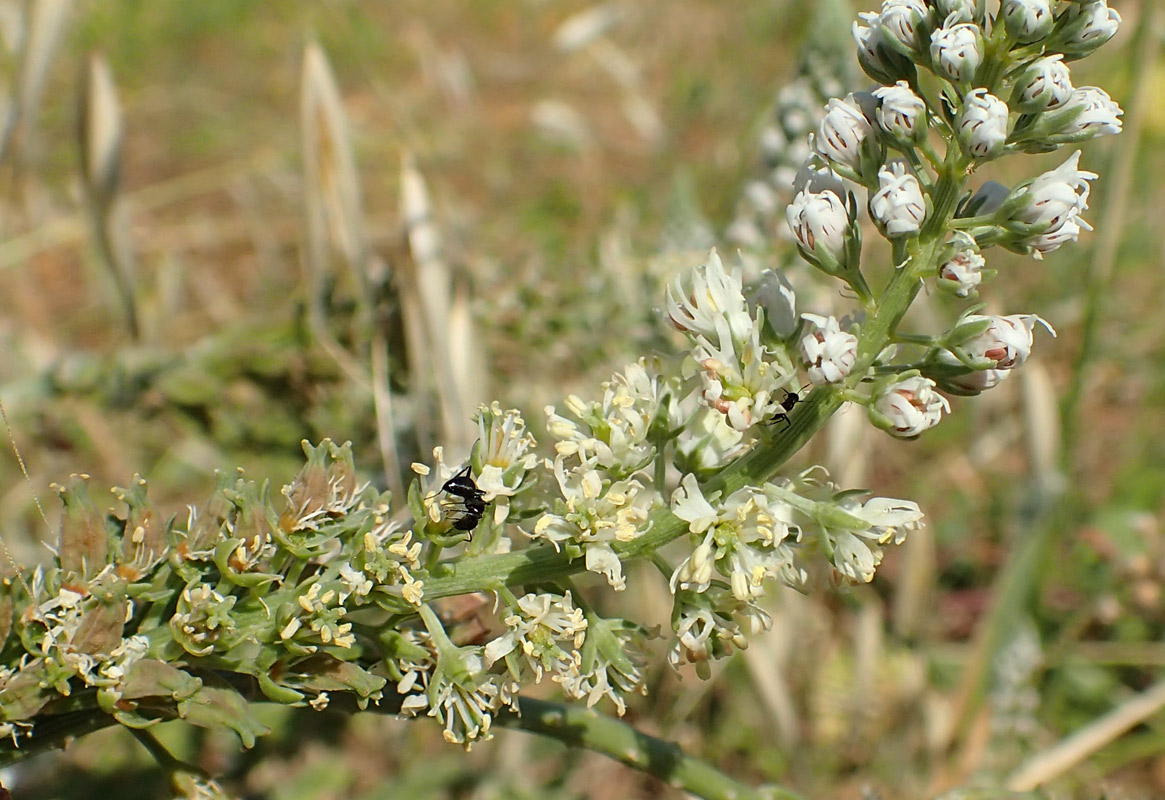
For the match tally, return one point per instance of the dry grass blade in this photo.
(102, 132)
(100, 136)
(466, 365)
(333, 186)
(425, 290)
(1042, 429)
(583, 27)
(331, 202)
(46, 24)
(1077, 747)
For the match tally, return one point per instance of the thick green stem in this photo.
(583, 727)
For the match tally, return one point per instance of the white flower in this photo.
(819, 222)
(1027, 20)
(1045, 84)
(355, 582)
(614, 668)
(874, 55)
(900, 21)
(957, 51)
(1055, 200)
(1098, 114)
(889, 518)
(614, 432)
(775, 295)
(829, 352)
(961, 273)
(1006, 343)
(901, 113)
(706, 294)
(742, 539)
(857, 551)
(963, 10)
(842, 132)
(907, 408)
(688, 503)
(1088, 25)
(708, 441)
(595, 512)
(982, 124)
(738, 381)
(546, 632)
(506, 454)
(898, 205)
(854, 558)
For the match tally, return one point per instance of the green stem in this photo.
(583, 727)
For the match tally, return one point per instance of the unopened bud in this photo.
(1027, 20)
(842, 132)
(901, 113)
(898, 206)
(982, 125)
(1045, 84)
(957, 51)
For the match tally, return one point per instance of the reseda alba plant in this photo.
(324, 593)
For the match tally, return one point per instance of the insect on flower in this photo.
(790, 399)
(463, 487)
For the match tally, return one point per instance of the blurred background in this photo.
(228, 226)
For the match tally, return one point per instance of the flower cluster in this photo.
(739, 377)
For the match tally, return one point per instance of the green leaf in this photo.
(220, 707)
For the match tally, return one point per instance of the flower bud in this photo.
(961, 10)
(1004, 344)
(1027, 20)
(775, 295)
(841, 133)
(907, 408)
(829, 352)
(1090, 111)
(898, 206)
(904, 25)
(982, 124)
(1083, 27)
(957, 51)
(961, 273)
(880, 61)
(1052, 203)
(1045, 84)
(819, 222)
(988, 199)
(901, 113)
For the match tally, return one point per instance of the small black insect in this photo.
(790, 399)
(463, 487)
